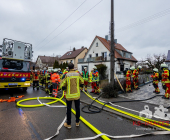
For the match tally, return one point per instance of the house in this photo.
(73, 56)
(32, 65)
(45, 61)
(167, 61)
(99, 53)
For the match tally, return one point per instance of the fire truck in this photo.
(15, 58)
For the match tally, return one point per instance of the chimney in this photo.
(74, 49)
(106, 37)
(82, 47)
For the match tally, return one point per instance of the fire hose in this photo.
(104, 136)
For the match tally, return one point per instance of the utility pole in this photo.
(112, 53)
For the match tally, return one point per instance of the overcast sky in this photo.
(136, 28)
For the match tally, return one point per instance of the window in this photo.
(104, 55)
(121, 67)
(124, 54)
(14, 65)
(89, 55)
(97, 44)
(69, 53)
(96, 54)
(71, 61)
(61, 62)
(66, 61)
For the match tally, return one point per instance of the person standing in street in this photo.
(71, 84)
(95, 80)
(165, 80)
(155, 77)
(55, 82)
(35, 80)
(85, 75)
(135, 77)
(128, 79)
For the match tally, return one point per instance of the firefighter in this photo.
(55, 82)
(31, 76)
(36, 80)
(63, 76)
(155, 77)
(59, 72)
(128, 79)
(135, 77)
(85, 75)
(91, 80)
(72, 83)
(165, 80)
(90, 76)
(50, 86)
(65, 72)
(95, 81)
(46, 80)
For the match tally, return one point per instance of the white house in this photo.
(99, 53)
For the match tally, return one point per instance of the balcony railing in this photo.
(100, 58)
(94, 59)
(81, 60)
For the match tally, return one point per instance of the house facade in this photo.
(73, 56)
(99, 53)
(45, 61)
(167, 61)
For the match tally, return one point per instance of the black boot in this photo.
(164, 97)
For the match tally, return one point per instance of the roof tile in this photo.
(72, 54)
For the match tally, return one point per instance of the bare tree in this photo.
(153, 61)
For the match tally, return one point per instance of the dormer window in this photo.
(97, 44)
(69, 53)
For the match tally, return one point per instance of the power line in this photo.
(152, 17)
(72, 23)
(62, 22)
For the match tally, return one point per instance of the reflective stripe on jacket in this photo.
(72, 83)
(55, 78)
(95, 76)
(85, 75)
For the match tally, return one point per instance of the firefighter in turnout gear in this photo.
(59, 72)
(46, 80)
(128, 79)
(95, 81)
(72, 83)
(63, 76)
(135, 77)
(36, 80)
(85, 75)
(165, 80)
(41, 78)
(155, 77)
(55, 82)
(50, 86)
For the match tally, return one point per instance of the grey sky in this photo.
(32, 20)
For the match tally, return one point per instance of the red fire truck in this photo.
(15, 57)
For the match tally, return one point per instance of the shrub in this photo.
(110, 91)
(102, 70)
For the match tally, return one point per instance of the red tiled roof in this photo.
(117, 46)
(73, 54)
(48, 59)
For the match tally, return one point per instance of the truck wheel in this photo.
(24, 89)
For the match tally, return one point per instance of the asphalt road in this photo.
(42, 122)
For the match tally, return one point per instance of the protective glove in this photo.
(164, 87)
